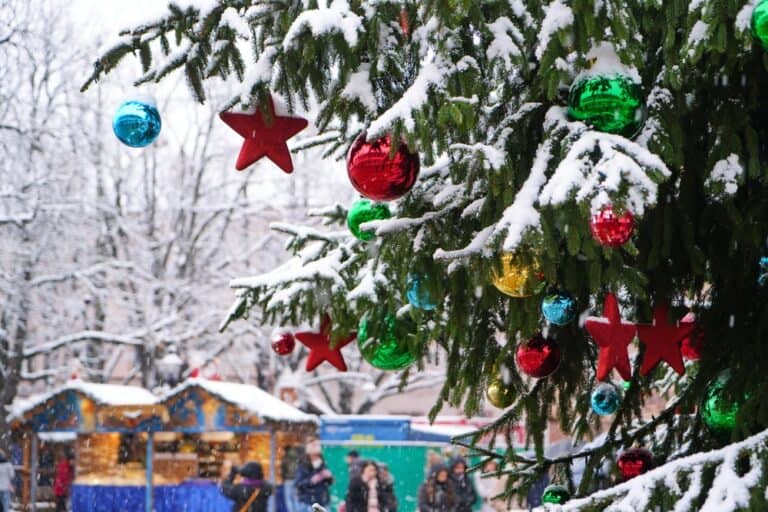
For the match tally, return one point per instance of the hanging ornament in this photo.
(690, 347)
(559, 308)
(763, 278)
(605, 399)
(555, 494)
(264, 137)
(390, 351)
(283, 344)
(611, 230)
(718, 410)
(662, 341)
(538, 357)
(760, 23)
(420, 290)
(319, 345)
(612, 335)
(610, 103)
(363, 211)
(519, 276)
(376, 173)
(137, 123)
(500, 394)
(634, 462)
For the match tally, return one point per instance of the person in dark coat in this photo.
(313, 478)
(241, 493)
(437, 494)
(387, 496)
(364, 493)
(462, 484)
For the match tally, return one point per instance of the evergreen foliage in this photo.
(480, 90)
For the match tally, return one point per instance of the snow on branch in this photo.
(338, 17)
(558, 17)
(432, 73)
(621, 164)
(297, 269)
(730, 490)
(82, 336)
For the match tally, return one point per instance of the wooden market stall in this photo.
(168, 453)
(96, 415)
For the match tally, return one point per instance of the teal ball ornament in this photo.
(137, 123)
(605, 399)
(559, 308)
(420, 291)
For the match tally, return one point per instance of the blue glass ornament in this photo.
(136, 123)
(763, 271)
(420, 292)
(605, 399)
(559, 308)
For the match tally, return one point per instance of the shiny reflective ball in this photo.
(538, 357)
(610, 229)
(421, 291)
(499, 394)
(691, 347)
(555, 494)
(610, 103)
(558, 308)
(760, 23)
(136, 123)
(605, 399)
(377, 174)
(389, 349)
(283, 344)
(363, 211)
(718, 410)
(519, 276)
(634, 462)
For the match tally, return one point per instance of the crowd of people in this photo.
(307, 480)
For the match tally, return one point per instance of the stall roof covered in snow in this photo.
(103, 394)
(249, 398)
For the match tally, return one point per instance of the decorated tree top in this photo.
(528, 118)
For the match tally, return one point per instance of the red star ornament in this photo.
(612, 335)
(319, 345)
(262, 139)
(662, 341)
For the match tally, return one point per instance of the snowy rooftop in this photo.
(104, 394)
(248, 397)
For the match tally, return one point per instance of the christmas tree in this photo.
(597, 157)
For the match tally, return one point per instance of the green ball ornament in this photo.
(555, 495)
(363, 211)
(718, 411)
(390, 350)
(760, 23)
(609, 103)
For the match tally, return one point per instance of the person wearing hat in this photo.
(313, 478)
(62, 482)
(251, 493)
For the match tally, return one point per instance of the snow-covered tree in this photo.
(481, 91)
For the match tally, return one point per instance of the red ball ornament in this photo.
(634, 462)
(378, 175)
(538, 357)
(283, 344)
(690, 347)
(611, 230)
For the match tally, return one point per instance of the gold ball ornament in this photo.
(499, 394)
(519, 276)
